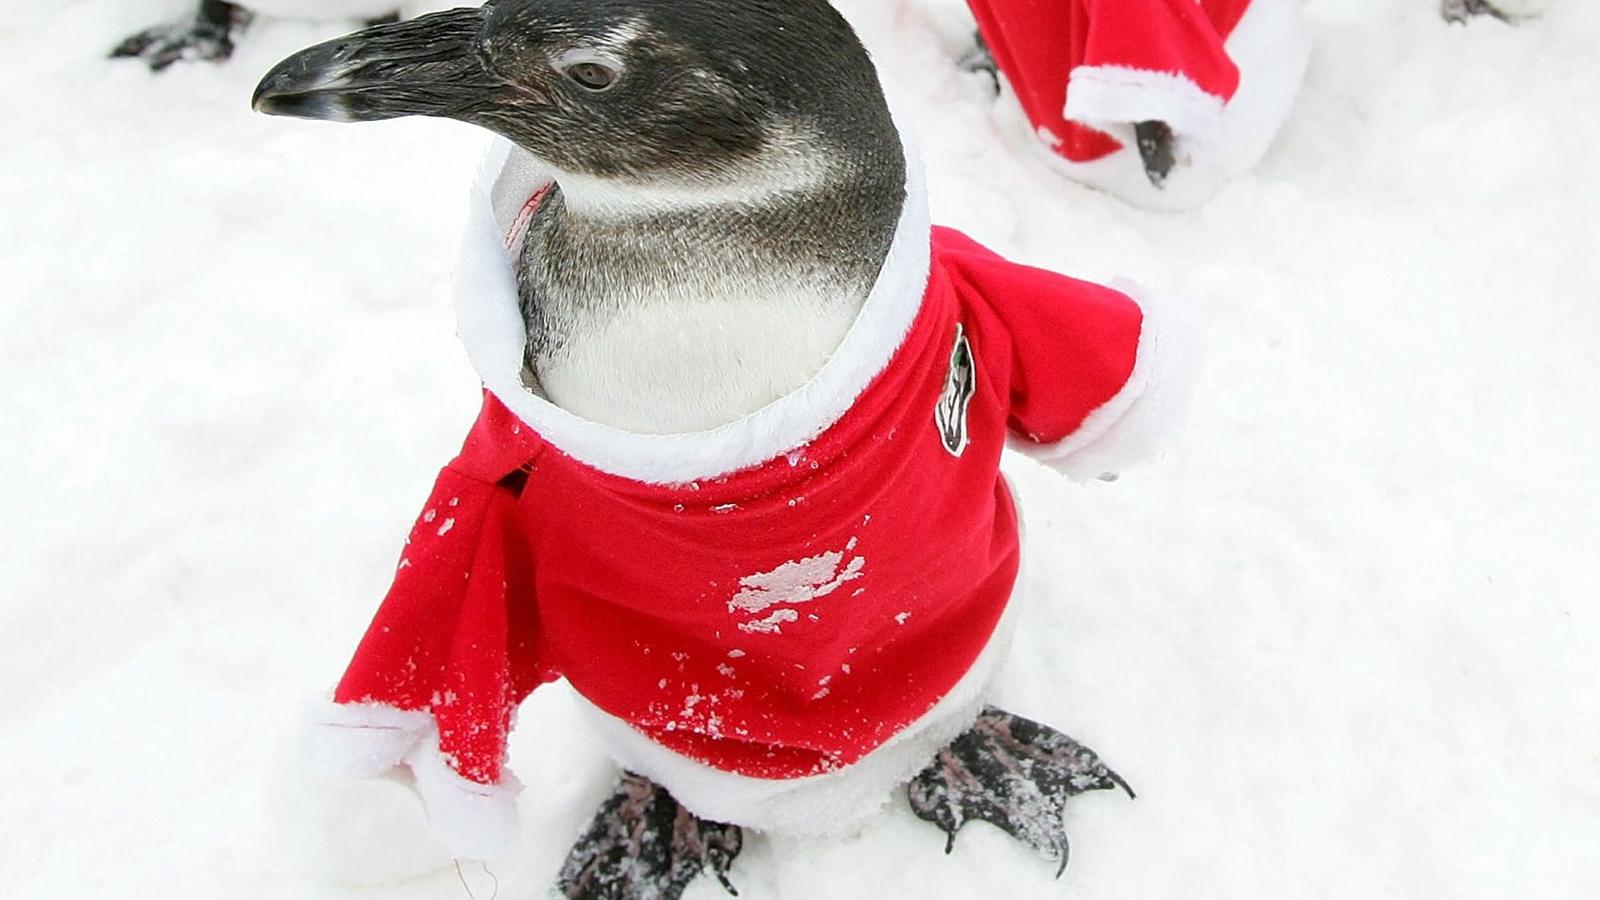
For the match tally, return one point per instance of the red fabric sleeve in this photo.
(1172, 36)
(456, 634)
(1036, 44)
(1072, 344)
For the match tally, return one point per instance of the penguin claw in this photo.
(1156, 142)
(642, 845)
(1462, 10)
(980, 60)
(1014, 773)
(164, 45)
(208, 36)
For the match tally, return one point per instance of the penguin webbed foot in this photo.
(643, 845)
(1156, 148)
(1462, 10)
(980, 60)
(1014, 773)
(207, 36)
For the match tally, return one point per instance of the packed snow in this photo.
(1343, 639)
(797, 581)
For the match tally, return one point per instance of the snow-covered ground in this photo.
(1344, 639)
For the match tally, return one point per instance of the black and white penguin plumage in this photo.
(712, 233)
(208, 33)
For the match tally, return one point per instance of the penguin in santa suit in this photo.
(1160, 102)
(208, 34)
(736, 472)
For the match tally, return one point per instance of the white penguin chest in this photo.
(692, 365)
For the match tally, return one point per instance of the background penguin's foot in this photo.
(208, 36)
(642, 845)
(389, 19)
(1014, 773)
(980, 59)
(1512, 11)
(1155, 148)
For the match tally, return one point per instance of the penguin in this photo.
(209, 33)
(735, 477)
(1159, 102)
(1187, 94)
(1511, 11)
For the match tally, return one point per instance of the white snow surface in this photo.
(1344, 638)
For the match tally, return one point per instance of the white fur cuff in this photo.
(1118, 95)
(1150, 408)
(349, 741)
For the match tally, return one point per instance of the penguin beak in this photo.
(429, 66)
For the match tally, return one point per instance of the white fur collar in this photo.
(489, 322)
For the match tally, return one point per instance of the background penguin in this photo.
(1190, 93)
(736, 474)
(1160, 102)
(209, 33)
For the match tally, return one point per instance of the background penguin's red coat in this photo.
(1221, 75)
(1156, 53)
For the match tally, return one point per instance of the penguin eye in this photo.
(594, 76)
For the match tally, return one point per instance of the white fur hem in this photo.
(489, 322)
(833, 803)
(1103, 95)
(347, 741)
(1150, 408)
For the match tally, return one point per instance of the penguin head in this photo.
(629, 90)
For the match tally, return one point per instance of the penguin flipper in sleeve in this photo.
(736, 472)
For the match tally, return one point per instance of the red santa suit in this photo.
(1221, 73)
(778, 619)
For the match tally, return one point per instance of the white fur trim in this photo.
(1271, 46)
(347, 741)
(360, 740)
(1104, 95)
(475, 821)
(489, 322)
(1151, 406)
(820, 804)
